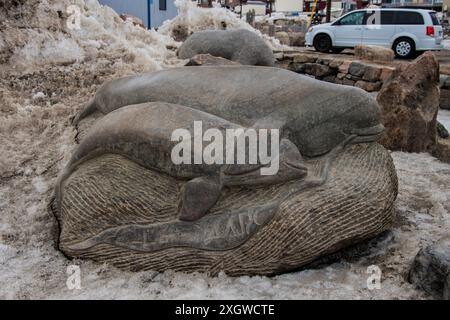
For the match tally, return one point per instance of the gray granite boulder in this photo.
(242, 46)
(431, 269)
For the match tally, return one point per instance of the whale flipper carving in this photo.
(215, 232)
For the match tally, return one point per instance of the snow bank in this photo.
(192, 18)
(49, 40)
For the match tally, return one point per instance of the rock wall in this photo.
(444, 101)
(289, 32)
(365, 75)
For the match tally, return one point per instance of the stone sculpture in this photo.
(241, 45)
(121, 199)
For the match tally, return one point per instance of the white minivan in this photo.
(406, 31)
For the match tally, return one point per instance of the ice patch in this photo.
(39, 185)
(39, 95)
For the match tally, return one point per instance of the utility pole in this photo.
(240, 11)
(328, 17)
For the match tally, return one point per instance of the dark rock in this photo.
(441, 130)
(296, 67)
(444, 99)
(357, 69)
(431, 269)
(372, 73)
(329, 79)
(317, 70)
(348, 82)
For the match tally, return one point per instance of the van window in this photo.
(380, 17)
(387, 17)
(408, 17)
(434, 18)
(355, 18)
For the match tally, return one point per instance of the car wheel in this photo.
(404, 48)
(322, 43)
(337, 50)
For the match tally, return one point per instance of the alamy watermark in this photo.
(73, 277)
(74, 20)
(237, 146)
(374, 279)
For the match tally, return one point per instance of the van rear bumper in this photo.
(429, 44)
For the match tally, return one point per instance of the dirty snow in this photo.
(41, 90)
(191, 18)
(446, 44)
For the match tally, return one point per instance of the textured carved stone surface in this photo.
(242, 46)
(110, 191)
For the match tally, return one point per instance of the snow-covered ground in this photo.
(446, 44)
(40, 89)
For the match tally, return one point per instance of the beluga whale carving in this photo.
(122, 193)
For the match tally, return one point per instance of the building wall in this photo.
(137, 8)
(288, 5)
(446, 5)
(142, 8)
(159, 16)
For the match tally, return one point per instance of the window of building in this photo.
(163, 5)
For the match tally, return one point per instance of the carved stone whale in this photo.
(119, 198)
(316, 116)
(142, 133)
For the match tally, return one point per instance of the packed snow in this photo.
(48, 72)
(446, 44)
(192, 18)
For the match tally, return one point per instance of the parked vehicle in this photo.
(406, 31)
